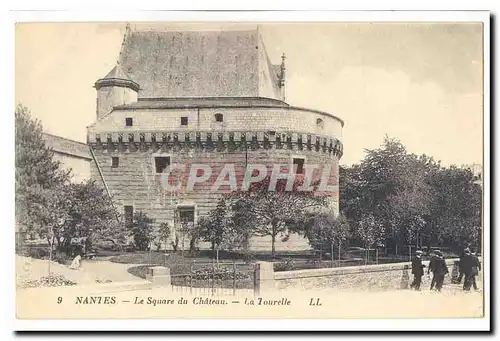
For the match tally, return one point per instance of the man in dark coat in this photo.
(471, 266)
(417, 269)
(440, 270)
(460, 268)
(432, 266)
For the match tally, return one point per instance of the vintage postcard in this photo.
(282, 169)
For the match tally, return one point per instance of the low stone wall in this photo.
(369, 277)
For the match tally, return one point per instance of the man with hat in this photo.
(470, 266)
(417, 269)
(460, 267)
(432, 266)
(440, 270)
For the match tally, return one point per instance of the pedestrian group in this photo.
(469, 267)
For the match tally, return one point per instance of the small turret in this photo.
(117, 88)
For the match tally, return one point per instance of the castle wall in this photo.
(235, 119)
(135, 181)
(247, 135)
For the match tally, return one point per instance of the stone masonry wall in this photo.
(235, 119)
(135, 182)
(370, 277)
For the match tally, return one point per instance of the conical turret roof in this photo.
(117, 77)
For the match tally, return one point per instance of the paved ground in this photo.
(89, 272)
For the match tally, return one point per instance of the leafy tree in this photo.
(142, 231)
(273, 213)
(456, 208)
(89, 213)
(219, 228)
(39, 180)
(211, 227)
(163, 235)
(326, 231)
(47, 203)
(370, 232)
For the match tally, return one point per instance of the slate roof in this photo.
(193, 63)
(117, 77)
(117, 73)
(66, 146)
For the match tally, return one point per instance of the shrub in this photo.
(54, 280)
(142, 231)
(218, 273)
(286, 264)
(36, 252)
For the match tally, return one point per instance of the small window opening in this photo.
(129, 122)
(298, 165)
(161, 162)
(219, 117)
(115, 162)
(186, 217)
(319, 123)
(184, 121)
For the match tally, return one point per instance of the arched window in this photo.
(219, 117)
(319, 123)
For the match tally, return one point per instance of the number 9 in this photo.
(59, 300)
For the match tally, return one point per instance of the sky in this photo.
(420, 83)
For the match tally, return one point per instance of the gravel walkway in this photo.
(91, 271)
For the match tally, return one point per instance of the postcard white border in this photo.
(206, 324)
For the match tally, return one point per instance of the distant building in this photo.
(71, 154)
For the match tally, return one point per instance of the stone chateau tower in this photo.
(208, 97)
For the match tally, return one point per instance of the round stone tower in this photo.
(179, 98)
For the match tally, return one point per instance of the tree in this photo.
(456, 208)
(326, 231)
(370, 232)
(212, 227)
(163, 235)
(39, 180)
(273, 213)
(142, 231)
(90, 214)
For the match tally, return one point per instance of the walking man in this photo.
(460, 267)
(471, 267)
(417, 269)
(432, 266)
(440, 270)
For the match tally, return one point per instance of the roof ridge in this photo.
(64, 138)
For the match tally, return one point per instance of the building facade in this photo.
(189, 98)
(72, 155)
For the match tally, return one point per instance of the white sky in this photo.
(420, 83)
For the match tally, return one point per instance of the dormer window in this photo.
(319, 123)
(219, 117)
(129, 122)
